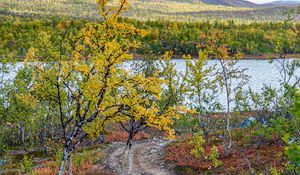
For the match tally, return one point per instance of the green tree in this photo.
(230, 77)
(202, 89)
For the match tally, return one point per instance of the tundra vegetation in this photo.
(71, 93)
(175, 10)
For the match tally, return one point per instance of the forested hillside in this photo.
(180, 10)
(253, 39)
(165, 20)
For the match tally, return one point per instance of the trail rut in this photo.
(146, 158)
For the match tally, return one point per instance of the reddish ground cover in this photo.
(261, 157)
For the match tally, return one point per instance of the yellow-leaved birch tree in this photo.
(82, 77)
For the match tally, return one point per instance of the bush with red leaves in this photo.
(261, 158)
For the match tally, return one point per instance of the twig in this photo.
(249, 164)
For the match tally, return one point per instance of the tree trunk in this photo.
(200, 120)
(62, 167)
(229, 131)
(44, 138)
(123, 159)
(44, 134)
(22, 133)
(63, 163)
(129, 161)
(228, 119)
(101, 138)
(228, 128)
(70, 166)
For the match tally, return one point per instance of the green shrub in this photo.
(198, 150)
(27, 165)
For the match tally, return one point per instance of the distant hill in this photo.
(233, 3)
(281, 3)
(173, 10)
(241, 3)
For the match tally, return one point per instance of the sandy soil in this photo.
(145, 158)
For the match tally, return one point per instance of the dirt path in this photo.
(146, 157)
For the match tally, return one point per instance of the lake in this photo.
(260, 71)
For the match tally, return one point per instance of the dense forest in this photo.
(180, 37)
(70, 104)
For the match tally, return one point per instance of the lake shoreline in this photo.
(244, 57)
(178, 57)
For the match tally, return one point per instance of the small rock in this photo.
(292, 140)
(2, 162)
(162, 144)
(247, 122)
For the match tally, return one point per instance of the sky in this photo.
(262, 1)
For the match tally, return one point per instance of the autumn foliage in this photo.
(261, 158)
